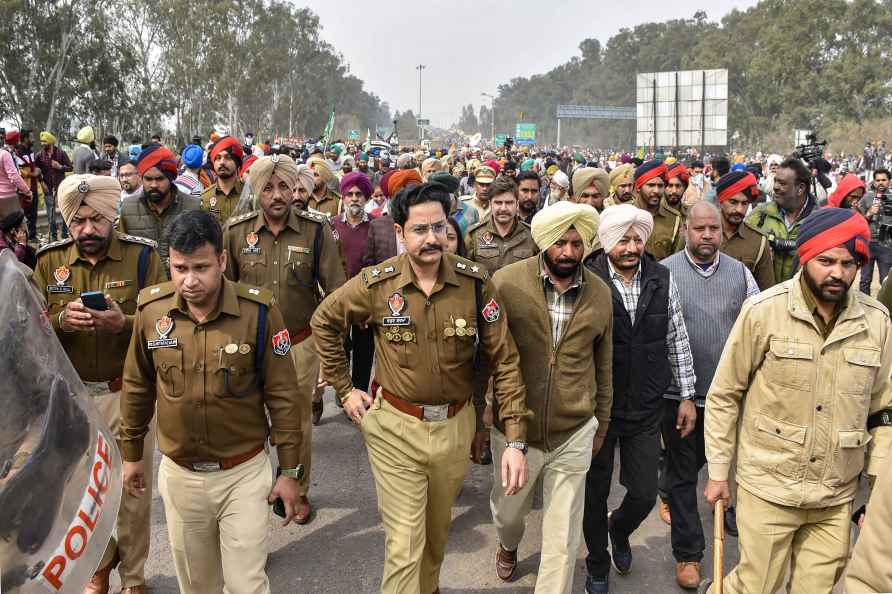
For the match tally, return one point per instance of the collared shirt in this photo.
(752, 288)
(561, 305)
(220, 204)
(681, 360)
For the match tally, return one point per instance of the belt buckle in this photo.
(205, 466)
(435, 412)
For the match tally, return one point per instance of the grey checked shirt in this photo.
(681, 361)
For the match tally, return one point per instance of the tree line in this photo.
(137, 67)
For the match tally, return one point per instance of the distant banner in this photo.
(289, 140)
(525, 133)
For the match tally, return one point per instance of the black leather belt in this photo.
(881, 418)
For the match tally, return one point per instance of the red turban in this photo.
(648, 171)
(678, 170)
(12, 137)
(495, 166)
(847, 185)
(156, 155)
(247, 165)
(229, 144)
(385, 182)
(736, 182)
(828, 228)
(403, 178)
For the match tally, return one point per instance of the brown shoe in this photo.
(317, 412)
(98, 584)
(664, 512)
(135, 590)
(303, 511)
(687, 574)
(506, 563)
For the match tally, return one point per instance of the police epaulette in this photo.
(55, 244)
(477, 225)
(135, 239)
(258, 294)
(241, 218)
(312, 216)
(384, 270)
(469, 268)
(154, 293)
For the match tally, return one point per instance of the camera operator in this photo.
(779, 220)
(876, 206)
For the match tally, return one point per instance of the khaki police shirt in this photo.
(220, 204)
(485, 246)
(284, 263)
(203, 377)
(424, 346)
(793, 404)
(666, 238)
(330, 204)
(752, 248)
(62, 274)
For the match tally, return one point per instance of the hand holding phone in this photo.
(94, 300)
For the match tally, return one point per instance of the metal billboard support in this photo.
(592, 112)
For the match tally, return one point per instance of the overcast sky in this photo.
(471, 46)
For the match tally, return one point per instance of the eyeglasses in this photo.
(423, 230)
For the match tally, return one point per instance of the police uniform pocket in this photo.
(790, 363)
(848, 457)
(169, 367)
(253, 270)
(300, 271)
(125, 297)
(858, 373)
(521, 254)
(778, 446)
(234, 376)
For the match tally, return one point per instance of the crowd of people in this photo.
(494, 306)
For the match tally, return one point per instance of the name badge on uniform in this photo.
(61, 274)
(118, 284)
(486, 241)
(252, 240)
(163, 326)
(396, 303)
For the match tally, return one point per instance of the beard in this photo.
(355, 210)
(562, 267)
(155, 196)
(823, 290)
(92, 244)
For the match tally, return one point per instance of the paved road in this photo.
(341, 551)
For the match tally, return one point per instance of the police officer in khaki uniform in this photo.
(870, 570)
(484, 176)
(502, 237)
(221, 198)
(666, 238)
(323, 199)
(292, 253)
(622, 185)
(429, 311)
(735, 192)
(97, 258)
(214, 356)
(806, 363)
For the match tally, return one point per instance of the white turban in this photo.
(551, 223)
(616, 220)
(561, 179)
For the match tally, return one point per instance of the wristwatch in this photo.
(293, 473)
(518, 445)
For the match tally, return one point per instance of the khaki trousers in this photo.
(419, 468)
(814, 541)
(563, 473)
(217, 524)
(306, 364)
(135, 513)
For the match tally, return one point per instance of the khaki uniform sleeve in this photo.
(349, 305)
(286, 405)
(881, 398)
(764, 268)
(332, 274)
(137, 394)
(499, 350)
(604, 369)
(470, 247)
(232, 266)
(741, 356)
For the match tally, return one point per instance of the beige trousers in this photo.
(563, 473)
(135, 514)
(306, 364)
(217, 524)
(815, 542)
(419, 468)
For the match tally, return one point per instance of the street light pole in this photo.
(419, 68)
(492, 116)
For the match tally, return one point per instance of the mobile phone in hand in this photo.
(94, 300)
(278, 504)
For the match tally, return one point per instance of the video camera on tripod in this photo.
(812, 148)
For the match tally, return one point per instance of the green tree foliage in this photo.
(135, 67)
(791, 64)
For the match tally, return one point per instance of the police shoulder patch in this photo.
(256, 294)
(135, 239)
(476, 226)
(468, 268)
(281, 342)
(55, 244)
(248, 216)
(311, 216)
(154, 293)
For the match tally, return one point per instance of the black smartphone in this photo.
(278, 504)
(94, 300)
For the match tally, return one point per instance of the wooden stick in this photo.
(718, 550)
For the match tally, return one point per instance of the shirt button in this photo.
(812, 459)
(275, 282)
(777, 431)
(274, 262)
(428, 302)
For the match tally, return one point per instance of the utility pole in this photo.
(419, 68)
(492, 116)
